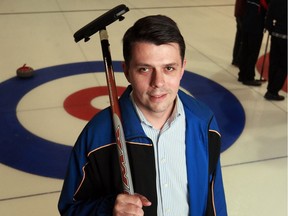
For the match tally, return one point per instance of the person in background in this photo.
(276, 24)
(239, 12)
(168, 135)
(253, 28)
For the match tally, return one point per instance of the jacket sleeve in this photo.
(218, 194)
(100, 207)
(67, 204)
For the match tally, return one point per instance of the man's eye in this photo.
(143, 69)
(169, 68)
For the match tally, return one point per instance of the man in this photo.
(167, 134)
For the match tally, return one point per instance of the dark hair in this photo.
(156, 29)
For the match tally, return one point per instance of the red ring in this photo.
(79, 105)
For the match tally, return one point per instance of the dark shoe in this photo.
(276, 97)
(252, 83)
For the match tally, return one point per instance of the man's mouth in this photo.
(158, 97)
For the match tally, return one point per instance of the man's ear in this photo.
(183, 68)
(126, 71)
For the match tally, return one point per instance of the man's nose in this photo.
(157, 79)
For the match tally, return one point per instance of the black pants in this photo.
(253, 27)
(277, 64)
(237, 42)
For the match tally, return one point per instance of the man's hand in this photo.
(130, 205)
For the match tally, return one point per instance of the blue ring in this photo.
(25, 151)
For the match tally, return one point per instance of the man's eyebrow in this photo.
(171, 64)
(143, 64)
(149, 65)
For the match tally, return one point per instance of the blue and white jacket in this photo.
(93, 177)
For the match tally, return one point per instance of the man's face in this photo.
(155, 73)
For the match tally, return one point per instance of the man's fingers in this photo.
(130, 204)
(144, 200)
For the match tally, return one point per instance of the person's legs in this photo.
(277, 68)
(237, 43)
(253, 26)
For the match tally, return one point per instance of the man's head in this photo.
(156, 29)
(154, 65)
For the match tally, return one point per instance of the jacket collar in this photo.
(130, 121)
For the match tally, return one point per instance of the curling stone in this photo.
(25, 71)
